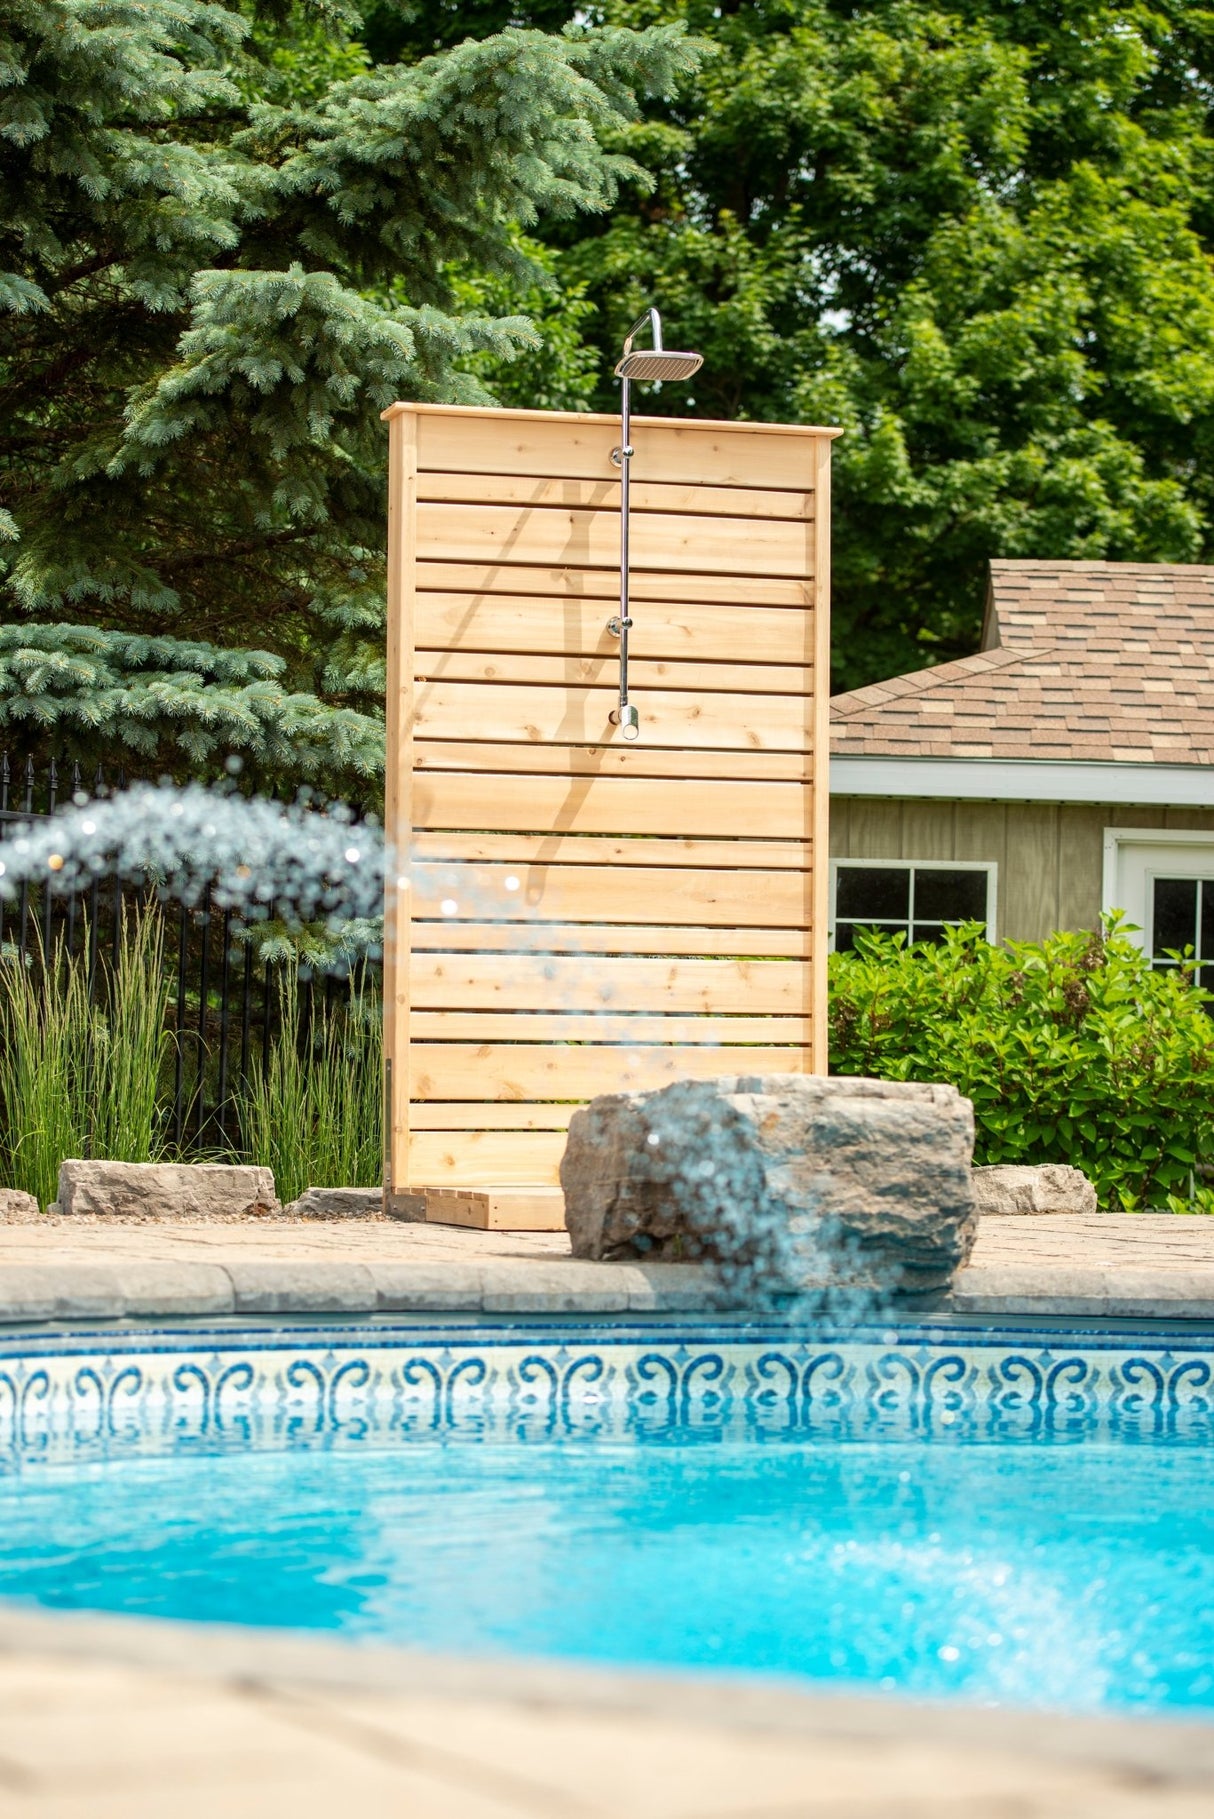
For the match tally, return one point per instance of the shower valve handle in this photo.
(618, 455)
(617, 626)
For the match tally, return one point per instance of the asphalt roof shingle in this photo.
(1084, 660)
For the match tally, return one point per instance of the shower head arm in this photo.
(654, 321)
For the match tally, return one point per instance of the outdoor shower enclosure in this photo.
(575, 914)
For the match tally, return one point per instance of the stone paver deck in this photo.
(105, 1719)
(65, 1268)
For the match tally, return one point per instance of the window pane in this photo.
(929, 931)
(1205, 979)
(1174, 923)
(950, 896)
(845, 937)
(881, 892)
(1206, 950)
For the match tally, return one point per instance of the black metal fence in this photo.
(224, 1000)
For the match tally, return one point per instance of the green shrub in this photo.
(314, 1113)
(1072, 1050)
(79, 1076)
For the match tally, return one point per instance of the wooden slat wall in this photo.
(585, 915)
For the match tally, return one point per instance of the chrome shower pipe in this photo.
(654, 364)
(625, 715)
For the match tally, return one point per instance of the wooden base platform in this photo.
(497, 1209)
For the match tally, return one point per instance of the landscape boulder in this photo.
(14, 1204)
(338, 1203)
(794, 1181)
(164, 1190)
(1051, 1188)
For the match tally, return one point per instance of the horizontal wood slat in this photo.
(453, 1070)
(485, 1158)
(568, 583)
(505, 623)
(521, 982)
(600, 669)
(590, 849)
(602, 893)
(668, 542)
(576, 715)
(619, 938)
(610, 805)
(612, 1032)
(604, 495)
(745, 455)
(493, 1114)
(642, 759)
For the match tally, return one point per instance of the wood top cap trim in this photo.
(592, 418)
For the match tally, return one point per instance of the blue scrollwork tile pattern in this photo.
(353, 1384)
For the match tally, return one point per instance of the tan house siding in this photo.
(1050, 856)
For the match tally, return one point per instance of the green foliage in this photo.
(1072, 1051)
(315, 1114)
(560, 371)
(977, 236)
(44, 1028)
(221, 255)
(129, 1042)
(79, 1076)
(174, 707)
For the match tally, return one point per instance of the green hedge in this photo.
(1072, 1050)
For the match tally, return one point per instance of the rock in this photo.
(16, 1205)
(160, 1190)
(793, 1180)
(338, 1203)
(1052, 1188)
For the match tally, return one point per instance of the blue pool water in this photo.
(1049, 1571)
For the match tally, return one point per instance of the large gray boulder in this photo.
(164, 1190)
(1052, 1187)
(795, 1181)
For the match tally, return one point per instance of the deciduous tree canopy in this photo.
(977, 234)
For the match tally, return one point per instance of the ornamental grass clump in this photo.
(80, 1069)
(1073, 1050)
(314, 1113)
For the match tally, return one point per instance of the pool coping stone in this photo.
(1158, 1267)
(1147, 1749)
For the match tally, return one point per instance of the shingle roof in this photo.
(1080, 660)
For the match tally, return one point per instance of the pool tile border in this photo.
(387, 1384)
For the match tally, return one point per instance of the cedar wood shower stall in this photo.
(573, 914)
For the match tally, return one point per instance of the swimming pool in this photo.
(1011, 1517)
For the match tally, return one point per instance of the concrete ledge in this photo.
(305, 1287)
(1124, 1291)
(1108, 1266)
(423, 1288)
(61, 1291)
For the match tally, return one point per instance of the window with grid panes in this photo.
(1182, 922)
(918, 901)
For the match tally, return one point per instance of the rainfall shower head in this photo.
(649, 364)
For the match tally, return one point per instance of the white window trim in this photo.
(1117, 838)
(1115, 781)
(989, 866)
